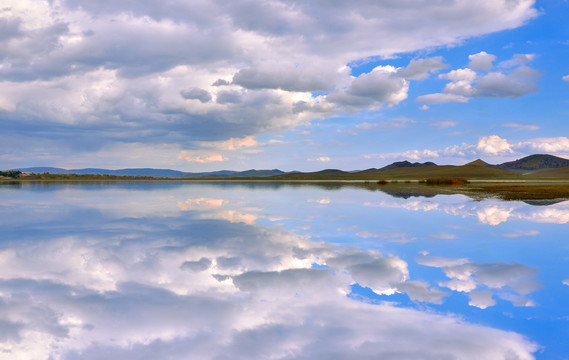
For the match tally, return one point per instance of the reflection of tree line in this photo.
(536, 195)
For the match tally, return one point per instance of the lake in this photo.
(259, 270)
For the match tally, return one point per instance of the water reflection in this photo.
(489, 212)
(214, 271)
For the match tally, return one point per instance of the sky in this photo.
(206, 85)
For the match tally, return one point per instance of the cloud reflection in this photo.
(510, 281)
(83, 281)
(489, 211)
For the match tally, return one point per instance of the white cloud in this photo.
(521, 233)
(201, 156)
(459, 75)
(518, 59)
(548, 145)
(420, 69)
(419, 291)
(173, 75)
(521, 81)
(441, 98)
(443, 236)
(467, 83)
(443, 124)
(493, 145)
(400, 122)
(372, 90)
(494, 215)
(235, 143)
(566, 78)
(481, 299)
(416, 154)
(201, 204)
(320, 159)
(437, 261)
(521, 126)
(481, 61)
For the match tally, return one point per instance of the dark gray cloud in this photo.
(229, 97)
(10, 28)
(200, 265)
(520, 82)
(420, 68)
(197, 94)
(286, 79)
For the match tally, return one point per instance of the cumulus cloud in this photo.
(289, 78)
(518, 59)
(512, 281)
(417, 154)
(566, 78)
(466, 83)
(418, 290)
(492, 213)
(372, 90)
(493, 145)
(481, 299)
(197, 94)
(171, 74)
(420, 68)
(548, 145)
(481, 61)
(520, 82)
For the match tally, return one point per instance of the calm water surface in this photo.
(168, 270)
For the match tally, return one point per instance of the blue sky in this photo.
(208, 85)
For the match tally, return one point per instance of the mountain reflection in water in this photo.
(252, 271)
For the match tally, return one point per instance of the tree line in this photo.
(11, 174)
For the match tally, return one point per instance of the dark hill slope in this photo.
(550, 174)
(534, 163)
(478, 162)
(407, 164)
(465, 171)
(404, 173)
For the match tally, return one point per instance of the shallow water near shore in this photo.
(251, 270)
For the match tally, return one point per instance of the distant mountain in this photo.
(534, 163)
(160, 173)
(439, 171)
(538, 166)
(94, 171)
(407, 164)
(247, 173)
(477, 162)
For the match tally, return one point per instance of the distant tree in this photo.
(11, 174)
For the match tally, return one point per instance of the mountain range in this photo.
(539, 165)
